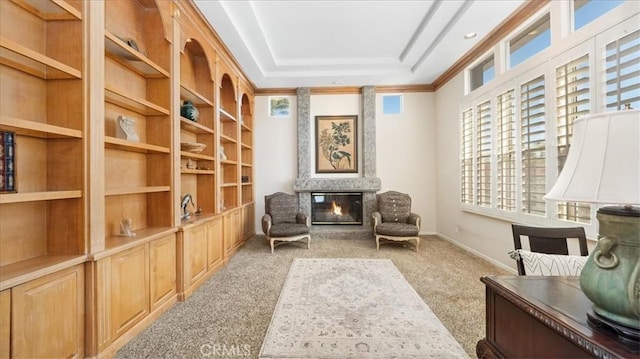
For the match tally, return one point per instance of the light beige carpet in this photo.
(229, 315)
(353, 308)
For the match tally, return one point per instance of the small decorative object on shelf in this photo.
(7, 161)
(191, 164)
(223, 156)
(126, 129)
(186, 199)
(189, 111)
(132, 44)
(192, 147)
(244, 179)
(126, 228)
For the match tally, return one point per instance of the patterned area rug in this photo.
(353, 308)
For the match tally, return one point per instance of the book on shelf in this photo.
(7, 162)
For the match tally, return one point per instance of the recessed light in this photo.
(335, 82)
(470, 35)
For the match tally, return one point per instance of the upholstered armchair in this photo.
(283, 222)
(393, 221)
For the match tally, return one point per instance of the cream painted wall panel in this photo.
(488, 237)
(275, 153)
(406, 154)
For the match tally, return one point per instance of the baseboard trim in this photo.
(476, 253)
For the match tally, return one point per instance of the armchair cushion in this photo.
(397, 229)
(288, 229)
(394, 207)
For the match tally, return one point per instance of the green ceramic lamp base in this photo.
(611, 276)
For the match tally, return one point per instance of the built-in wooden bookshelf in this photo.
(138, 180)
(229, 158)
(198, 169)
(70, 70)
(43, 241)
(246, 148)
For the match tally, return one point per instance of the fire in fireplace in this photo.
(336, 208)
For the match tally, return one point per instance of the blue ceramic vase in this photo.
(189, 111)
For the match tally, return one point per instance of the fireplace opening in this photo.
(336, 208)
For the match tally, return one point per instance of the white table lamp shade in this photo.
(603, 164)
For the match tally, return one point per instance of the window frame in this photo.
(591, 41)
(400, 96)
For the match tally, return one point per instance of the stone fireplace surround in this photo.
(367, 182)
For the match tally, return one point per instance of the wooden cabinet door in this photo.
(196, 240)
(215, 243)
(162, 259)
(231, 231)
(248, 221)
(48, 316)
(129, 288)
(5, 323)
(237, 227)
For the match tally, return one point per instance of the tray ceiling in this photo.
(306, 43)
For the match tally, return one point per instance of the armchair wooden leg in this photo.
(417, 243)
(308, 242)
(271, 240)
(378, 243)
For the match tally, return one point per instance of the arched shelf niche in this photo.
(196, 86)
(228, 96)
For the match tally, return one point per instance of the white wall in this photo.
(488, 237)
(406, 154)
(406, 158)
(275, 153)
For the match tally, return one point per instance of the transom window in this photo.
(585, 11)
(531, 41)
(482, 73)
(392, 104)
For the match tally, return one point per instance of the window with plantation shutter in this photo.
(506, 151)
(572, 101)
(623, 72)
(483, 154)
(533, 136)
(466, 157)
(517, 129)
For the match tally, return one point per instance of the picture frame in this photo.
(7, 162)
(279, 106)
(336, 144)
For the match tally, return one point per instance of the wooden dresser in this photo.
(543, 317)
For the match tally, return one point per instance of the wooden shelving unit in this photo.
(138, 180)
(70, 282)
(40, 221)
(42, 228)
(197, 170)
(246, 148)
(228, 139)
(246, 163)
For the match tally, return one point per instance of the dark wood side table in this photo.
(544, 317)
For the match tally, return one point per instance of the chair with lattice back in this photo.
(393, 220)
(283, 222)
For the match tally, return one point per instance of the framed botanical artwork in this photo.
(279, 106)
(336, 144)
